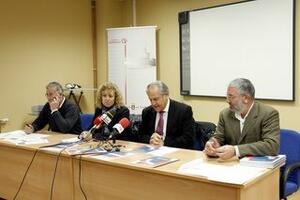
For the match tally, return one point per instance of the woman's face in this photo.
(108, 98)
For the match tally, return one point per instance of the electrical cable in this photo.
(80, 175)
(54, 174)
(23, 179)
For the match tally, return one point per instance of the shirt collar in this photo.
(167, 106)
(166, 109)
(62, 102)
(238, 115)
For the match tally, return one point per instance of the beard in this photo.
(237, 108)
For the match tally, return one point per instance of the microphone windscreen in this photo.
(97, 121)
(124, 122)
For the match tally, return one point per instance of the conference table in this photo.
(29, 172)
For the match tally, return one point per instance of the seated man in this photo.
(247, 127)
(166, 122)
(61, 114)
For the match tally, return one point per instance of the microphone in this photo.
(119, 127)
(107, 116)
(97, 123)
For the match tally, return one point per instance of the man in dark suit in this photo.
(247, 127)
(61, 114)
(166, 122)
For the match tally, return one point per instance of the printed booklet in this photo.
(263, 161)
(155, 161)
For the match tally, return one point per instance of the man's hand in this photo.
(211, 146)
(28, 128)
(156, 140)
(85, 135)
(225, 152)
(54, 104)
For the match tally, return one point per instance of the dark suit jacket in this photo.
(179, 132)
(260, 135)
(122, 112)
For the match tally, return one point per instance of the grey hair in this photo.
(163, 88)
(56, 86)
(244, 86)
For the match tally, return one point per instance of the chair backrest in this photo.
(203, 131)
(86, 121)
(290, 146)
(135, 122)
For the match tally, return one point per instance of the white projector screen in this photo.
(252, 39)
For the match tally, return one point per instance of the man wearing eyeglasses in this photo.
(247, 127)
(61, 114)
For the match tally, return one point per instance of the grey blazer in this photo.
(260, 135)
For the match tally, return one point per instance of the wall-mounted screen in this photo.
(249, 39)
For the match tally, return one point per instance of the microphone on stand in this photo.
(89, 134)
(119, 127)
(98, 122)
(107, 116)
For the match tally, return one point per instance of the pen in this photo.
(29, 126)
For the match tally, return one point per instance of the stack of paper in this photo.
(263, 161)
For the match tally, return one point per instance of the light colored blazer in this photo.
(260, 135)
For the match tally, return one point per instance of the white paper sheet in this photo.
(235, 174)
(19, 137)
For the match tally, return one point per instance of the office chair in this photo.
(203, 131)
(135, 122)
(86, 121)
(290, 172)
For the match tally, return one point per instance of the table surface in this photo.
(74, 177)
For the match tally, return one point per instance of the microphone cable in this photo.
(56, 164)
(23, 179)
(80, 174)
(54, 173)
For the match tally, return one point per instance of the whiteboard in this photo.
(252, 39)
(132, 63)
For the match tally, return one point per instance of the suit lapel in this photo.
(235, 128)
(152, 120)
(170, 113)
(249, 122)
